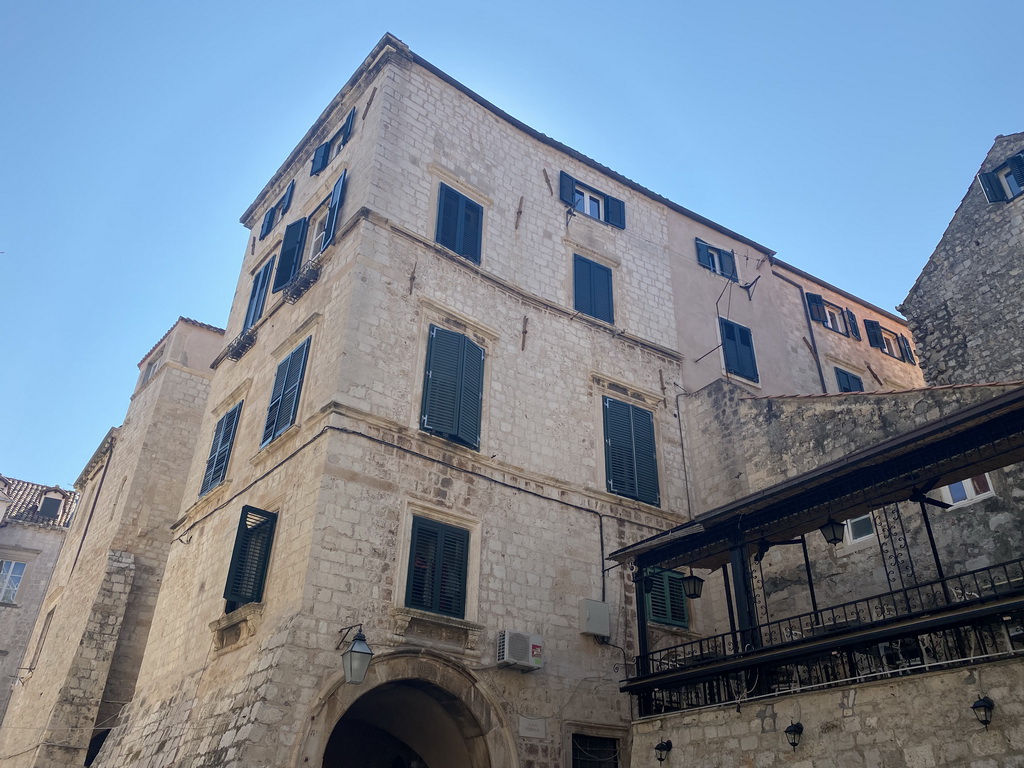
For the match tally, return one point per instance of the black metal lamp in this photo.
(832, 531)
(662, 748)
(692, 585)
(356, 660)
(793, 733)
(982, 709)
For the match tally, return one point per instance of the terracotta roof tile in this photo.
(26, 499)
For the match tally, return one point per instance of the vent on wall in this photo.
(520, 650)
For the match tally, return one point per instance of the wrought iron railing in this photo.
(845, 659)
(303, 280)
(241, 344)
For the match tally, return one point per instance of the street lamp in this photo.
(793, 732)
(662, 748)
(832, 531)
(356, 659)
(982, 709)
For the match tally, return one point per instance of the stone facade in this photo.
(30, 541)
(350, 476)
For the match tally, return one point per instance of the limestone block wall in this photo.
(37, 546)
(907, 722)
(963, 309)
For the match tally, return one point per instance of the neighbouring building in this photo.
(33, 522)
(464, 364)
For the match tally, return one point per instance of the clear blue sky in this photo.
(134, 134)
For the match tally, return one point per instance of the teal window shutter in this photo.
(268, 222)
(615, 212)
(738, 349)
(992, 187)
(284, 398)
(816, 306)
(291, 253)
(567, 189)
(453, 387)
(459, 223)
(286, 199)
(727, 264)
(258, 295)
(704, 256)
(337, 200)
(438, 566)
(666, 601)
(592, 289)
(247, 571)
(220, 450)
(848, 382)
(907, 350)
(631, 466)
(874, 332)
(321, 157)
(851, 323)
(346, 129)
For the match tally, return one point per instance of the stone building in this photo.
(94, 622)
(33, 522)
(461, 365)
(883, 646)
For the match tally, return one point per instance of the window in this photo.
(291, 253)
(594, 751)
(1006, 182)
(630, 456)
(248, 569)
(848, 382)
(50, 507)
(11, 573)
(969, 490)
(859, 528)
(592, 289)
(453, 387)
(220, 449)
(322, 155)
(459, 223)
(280, 207)
(892, 344)
(438, 562)
(590, 202)
(832, 316)
(717, 260)
(284, 398)
(258, 295)
(152, 365)
(738, 349)
(666, 601)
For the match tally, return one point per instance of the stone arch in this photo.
(453, 714)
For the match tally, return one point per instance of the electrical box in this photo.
(595, 618)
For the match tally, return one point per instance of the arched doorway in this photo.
(408, 724)
(415, 709)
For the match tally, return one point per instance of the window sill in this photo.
(275, 446)
(432, 630)
(234, 630)
(956, 505)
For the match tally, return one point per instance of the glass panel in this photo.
(1012, 183)
(860, 528)
(578, 201)
(980, 484)
(595, 208)
(957, 492)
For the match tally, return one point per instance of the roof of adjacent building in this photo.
(181, 319)
(27, 501)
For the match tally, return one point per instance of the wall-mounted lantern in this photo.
(982, 709)
(356, 660)
(793, 733)
(661, 750)
(833, 531)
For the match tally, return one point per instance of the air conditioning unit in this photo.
(520, 650)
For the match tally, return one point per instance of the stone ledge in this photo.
(234, 630)
(410, 626)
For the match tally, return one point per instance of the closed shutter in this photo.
(567, 189)
(666, 601)
(258, 295)
(704, 256)
(472, 216)
(874, 332)
(250, 558)
(337, 200)
(346, 129)
(727, 264)
(992, 187)
(592, 289)
(438, 558)
(284, 398)
(848, 382)
(291, 253)
(1016, 164)
(645, 456)
(453, 387)
(851, 323)
(615, 212)
(816, 306)
(631, 464)
(220, 450)
(583, 297)
(268, 222)
(321, 157)
(286, 200)
(448, 218)
(738, 349)
(907, 350)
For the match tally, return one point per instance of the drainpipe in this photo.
(810, 328)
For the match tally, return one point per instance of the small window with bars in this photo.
(594, 751)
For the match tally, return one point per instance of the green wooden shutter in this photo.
(816, 306)
(471, 394)
(851, 323)
(275, 402)
(220, 449)
(346, 129)
(992, 187)
(438, 559)
(451, 577)
(337, 200)
(258, 295)
(738, 349)
(423, 555)
(291, 253)
(448, 220)
(666, 602)
(250, 558)
(601, 293)
(615, 212)
(704, 256)
(286, 200)
(583, 295)
(439, 412)
(471, 230)
(619, 456)
(567, 189)
(268, 222)
(874, 332)
(645, 456)
(284, 398)
(727, 264)
(321, 157)
(748, 363)
(906, 349)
